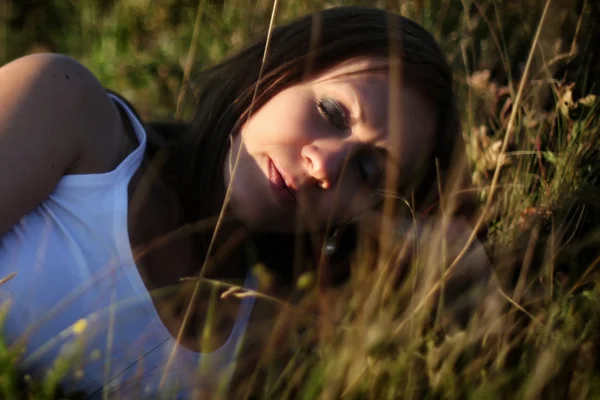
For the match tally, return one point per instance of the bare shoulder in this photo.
(60, 95)
(55, 119)
(53, 82)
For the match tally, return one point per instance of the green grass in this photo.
(536, 336)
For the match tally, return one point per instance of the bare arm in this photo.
(55, 118)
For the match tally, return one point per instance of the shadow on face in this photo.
(317, 153)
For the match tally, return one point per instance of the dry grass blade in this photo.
(506, 140)
(580, 281)
(189, 62)
(493, 185)
(392, 328)
(7, 278)
(518, 306)
(194, 296)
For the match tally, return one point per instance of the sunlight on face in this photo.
(316, 152)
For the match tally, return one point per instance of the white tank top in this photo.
(78, 294)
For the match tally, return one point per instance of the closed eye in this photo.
(334, 113)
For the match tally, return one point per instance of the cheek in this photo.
(285, 118)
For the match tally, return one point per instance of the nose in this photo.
(324, 160)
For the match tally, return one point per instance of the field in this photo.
(527, 74)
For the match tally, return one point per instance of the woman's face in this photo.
(316, 153)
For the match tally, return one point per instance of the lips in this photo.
(284, 194)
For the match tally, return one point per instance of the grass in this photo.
(532, 138)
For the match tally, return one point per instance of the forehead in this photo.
(353, 66)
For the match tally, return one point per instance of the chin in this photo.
(261, 218)
(275, 224)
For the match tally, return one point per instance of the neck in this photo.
(170, 246)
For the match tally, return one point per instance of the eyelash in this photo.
(336, 116)
(333, 112)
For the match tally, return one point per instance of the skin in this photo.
(328, 137)
(55, 119)
(80, 131)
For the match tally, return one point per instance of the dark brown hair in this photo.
(298, 50)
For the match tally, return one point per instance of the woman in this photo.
(97, 212)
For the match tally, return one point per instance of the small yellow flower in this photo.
(95, 355)
(305, 281)
(263, 275)
(80, 326)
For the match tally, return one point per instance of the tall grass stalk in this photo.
(396, 328)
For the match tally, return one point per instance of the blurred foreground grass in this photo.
(541, 340)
